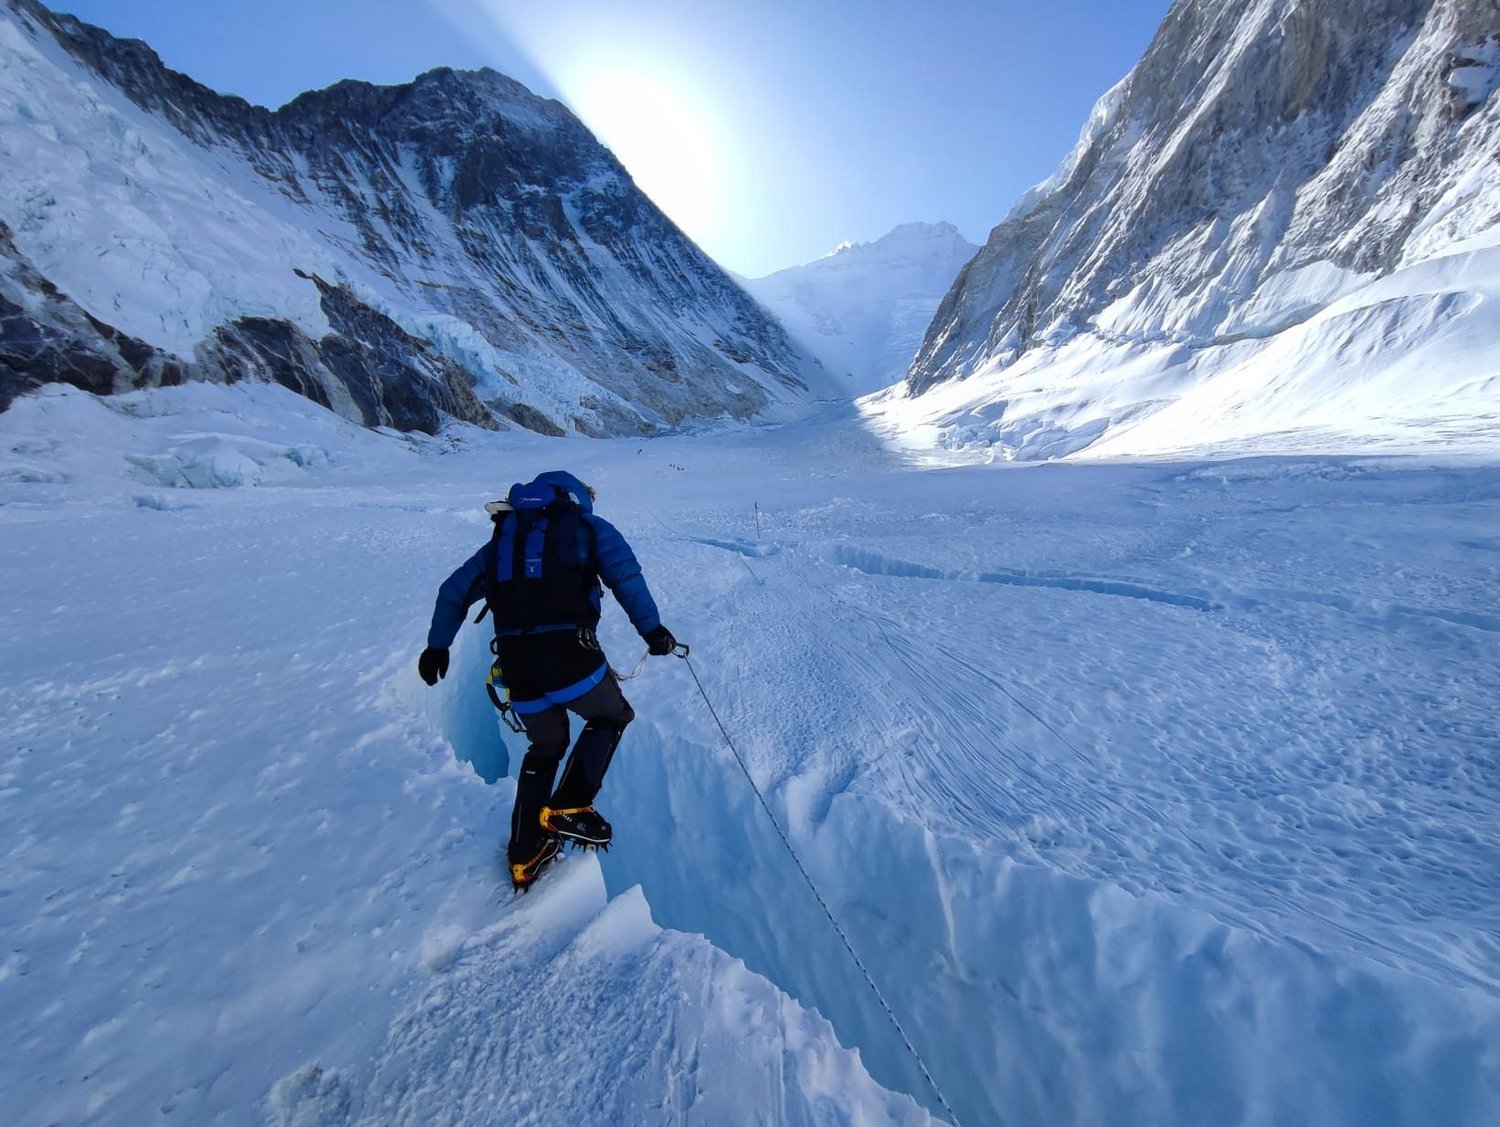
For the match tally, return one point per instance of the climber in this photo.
(540, 576)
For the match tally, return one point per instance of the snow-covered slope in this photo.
(1280, 228)
(1149, 794)
(862, 309)
(452, 247)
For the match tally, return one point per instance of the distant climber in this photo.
(540, 578)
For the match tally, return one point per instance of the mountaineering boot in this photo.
(523, 875)
(579, 824)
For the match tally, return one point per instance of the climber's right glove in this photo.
(659, 642)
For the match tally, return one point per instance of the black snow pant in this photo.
(605, 713)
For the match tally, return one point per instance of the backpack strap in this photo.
(499, 511)
(504, 541)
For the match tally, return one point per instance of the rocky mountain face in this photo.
(862, 310)
(368, 370)
(1284, 183)
(453, 247)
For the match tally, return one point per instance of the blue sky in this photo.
(770, 130)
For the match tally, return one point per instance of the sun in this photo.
(661, 136)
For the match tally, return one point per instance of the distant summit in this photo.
(862, 309)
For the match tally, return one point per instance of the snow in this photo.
(147, 232)
(1477, 80)
(1321, 360)
(1149, 792)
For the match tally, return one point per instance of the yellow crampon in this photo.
(548, 811)
(561, 821)
(524, 875)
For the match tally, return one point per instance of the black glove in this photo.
(433, 664)
(660, 642)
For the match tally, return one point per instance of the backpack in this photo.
(540, 571)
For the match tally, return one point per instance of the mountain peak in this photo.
(862, 309)
(445, 98)
(904, 238)
(455, 246)
(1263, 203)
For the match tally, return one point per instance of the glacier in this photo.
(1149, 792)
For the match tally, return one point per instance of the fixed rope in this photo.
(818, 896)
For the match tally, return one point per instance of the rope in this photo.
(634, 673)
(818, 896)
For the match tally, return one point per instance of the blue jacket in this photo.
(610, 558)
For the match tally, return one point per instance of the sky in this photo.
(771, 131)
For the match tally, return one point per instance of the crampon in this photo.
(580, 826)
(524, 874)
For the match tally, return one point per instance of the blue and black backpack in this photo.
(540, 572)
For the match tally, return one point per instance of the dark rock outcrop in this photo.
(46, 338)
(368, 369)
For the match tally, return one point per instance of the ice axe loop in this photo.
(681, 650)
(493, 684)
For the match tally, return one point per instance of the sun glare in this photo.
(660, 136)
(640, 97)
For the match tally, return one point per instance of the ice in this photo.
(134, 222)
(1147, 792)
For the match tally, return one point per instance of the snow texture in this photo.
(1149, 793)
